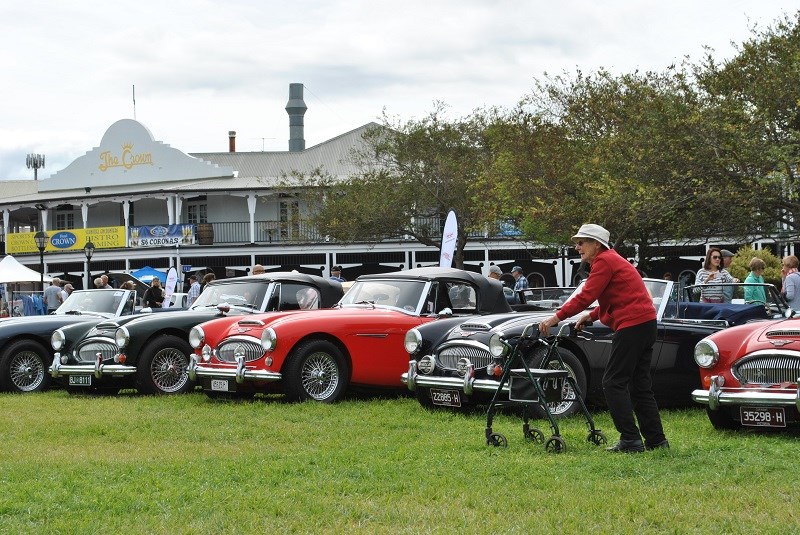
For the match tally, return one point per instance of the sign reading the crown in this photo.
(127, 158)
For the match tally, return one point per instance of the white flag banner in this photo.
(169, 286)
(449, 237)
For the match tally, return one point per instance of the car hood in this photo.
(42, 323)
(482, 327)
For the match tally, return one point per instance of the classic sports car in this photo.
(25, 341)
(316, 355)
(151, 352)
(749, 375)
(452, 363)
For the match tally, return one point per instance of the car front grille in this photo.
(767, 369)
(252, 350)
(88, 351)
(448, 357)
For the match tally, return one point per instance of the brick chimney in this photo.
(232, 141)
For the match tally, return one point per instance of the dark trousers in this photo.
(627, 384)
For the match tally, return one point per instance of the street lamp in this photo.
(88, 250)
(41, 238)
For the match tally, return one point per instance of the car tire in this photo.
(23, 367)
(316, 370)
(570, 405)
(722, 419)
(162, 367)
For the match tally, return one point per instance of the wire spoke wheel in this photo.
(320, 375)
(27, 371)
(168, 370)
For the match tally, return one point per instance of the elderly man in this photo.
(522, 281)
(336, 274)
(495, 272)
(258, 269)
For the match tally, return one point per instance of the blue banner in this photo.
(161, 235)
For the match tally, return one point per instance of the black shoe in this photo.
(627, 446)
(664, 444)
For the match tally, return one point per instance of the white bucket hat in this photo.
(594, 232)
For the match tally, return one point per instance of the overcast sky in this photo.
(202, 68)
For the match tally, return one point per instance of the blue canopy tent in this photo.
(147, 273)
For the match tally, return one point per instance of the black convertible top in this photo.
(490, 291)
(330, 290)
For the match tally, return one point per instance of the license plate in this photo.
(447, 398)
(80, 380)
(219, 385)
(763, 416)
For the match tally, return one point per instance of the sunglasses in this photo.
(715, 257)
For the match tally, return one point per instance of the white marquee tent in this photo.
(13, 271)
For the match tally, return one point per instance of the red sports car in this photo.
(317, 354)
(750, 374)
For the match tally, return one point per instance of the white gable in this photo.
(128, 154)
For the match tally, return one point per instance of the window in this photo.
(289, 219)
(197, 212)
(65, 220)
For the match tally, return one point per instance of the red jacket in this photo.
(620, 291)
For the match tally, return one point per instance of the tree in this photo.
(411, 174)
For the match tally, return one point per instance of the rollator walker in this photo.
(538, 386)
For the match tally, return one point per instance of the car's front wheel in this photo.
(23, 367)
(722, 419)
(569, 404)
(316, 370)
(162, 367)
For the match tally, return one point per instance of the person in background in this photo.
(208, 277)
(104, 281)
(98, 282)
(194, 290)
(52, 296)
(154, 296)
(755, 294)
(791, 282)
(522, 282)
(727, 259)
(625, 305)
(68, 289)
(711, 273)
(667, 276)
(495, 272)
(258, 269)
(336, 274)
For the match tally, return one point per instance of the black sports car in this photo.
(25, 351)
(452, 363)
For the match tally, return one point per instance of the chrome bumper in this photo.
(98, 369)
(468, 384)
(241, 373)
(715, 396)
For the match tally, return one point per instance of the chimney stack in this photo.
(232, 141)
(296, 108)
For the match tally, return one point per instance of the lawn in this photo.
(186, 464)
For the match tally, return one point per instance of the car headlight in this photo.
(122, 337)
(57, 340)
(196, 337)
(497, 346)
(269, 339)
(706, 353)
(413, 341)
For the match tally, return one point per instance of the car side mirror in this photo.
(445, 313)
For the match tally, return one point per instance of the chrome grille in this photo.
(88, 351)
(768, 369)
(252, 350)
(448, 357)
(482, 327)
(784, 333)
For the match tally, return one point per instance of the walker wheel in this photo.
(555, 444)
(597, 437)
(535, 435)
(497, 440)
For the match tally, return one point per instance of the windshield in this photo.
(105, 302)
(403, 294)
(245, 294)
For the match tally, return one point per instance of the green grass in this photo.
(185, 464)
